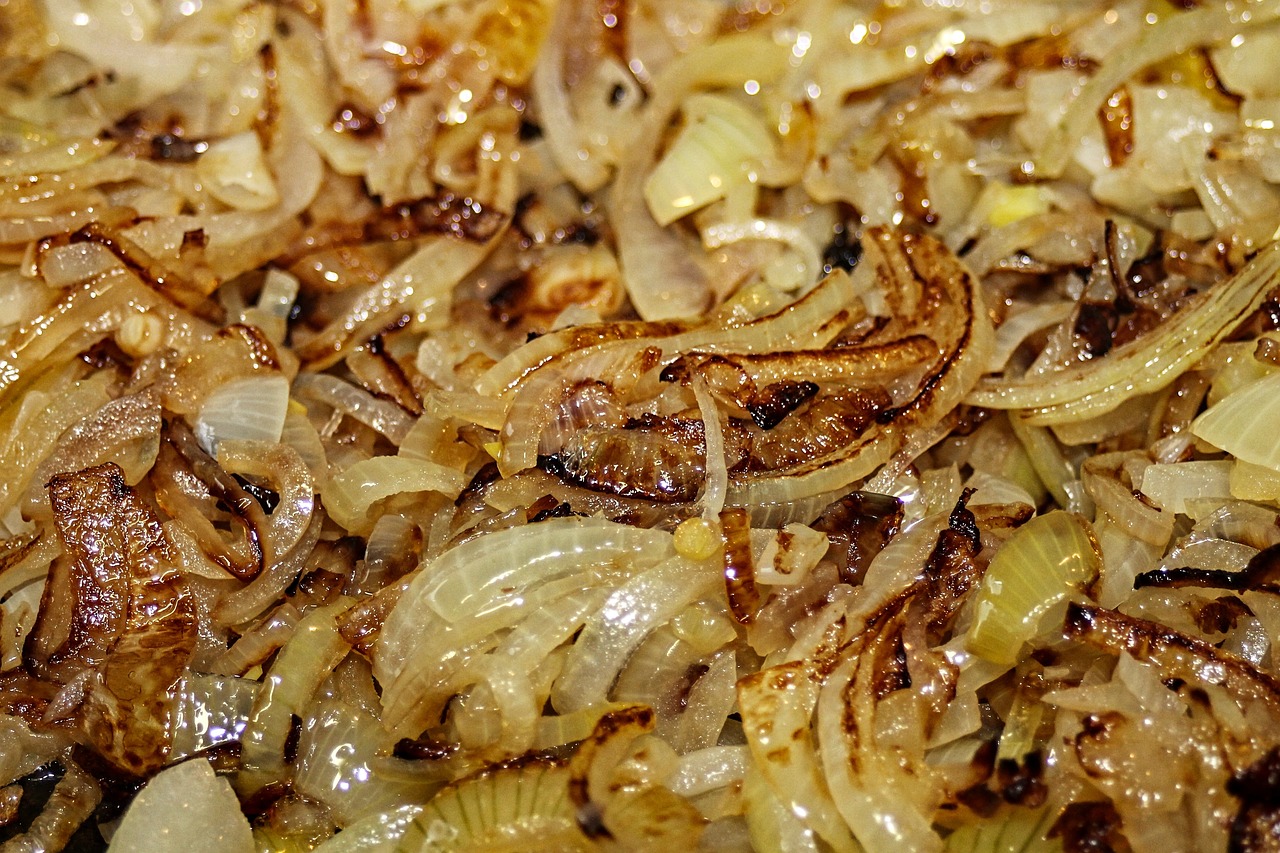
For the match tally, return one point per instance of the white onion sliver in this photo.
(708, 769)
(717, 476)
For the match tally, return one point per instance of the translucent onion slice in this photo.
(1170, 486)
(454, 604)
(188, 807)
(474, 577)
(311, 654)
(710, 768)
(885, 795)
(211, 709)
(375, 833)
(507, 670)
(251, 409)
(342, 763)
(524, 806)
(235, 172)
(633, 610)
(663, 279)
(284, 469)
(1041, 565)
(1169, 36)
(25, 750)
(348, 496)
(1242, 423)
(1014, 831)
(772, 826)
(381, 415)
(776, 705)
(1146, 364)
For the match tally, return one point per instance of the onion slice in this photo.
(1146, 364)
(1037, 567)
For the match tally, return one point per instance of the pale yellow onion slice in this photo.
(235, 172)
(426, 667)
(349, 495)
(476, 576)
(305, 661)
(1171, 485)
(664, 279)
(1042, 564)
(886, 796)
(374, 833)
(281, 466)
(250, 409)
(1015, 831)
(1244, 423)
(343, 762)
(611, 635)
(188, 807)
(1143, 365)
(711, 154)
(488, 584)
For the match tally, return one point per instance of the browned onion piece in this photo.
(1175, 653)
(234, 352)
(629, 463)
(10, 799)
(116, 623)
(739, 567)
(854, 363)
(633, 814)
(952, 569)
(1257, 824)
(1262, 571)
(192, 486)
(858, 526)
(826, 425)
(928, 291)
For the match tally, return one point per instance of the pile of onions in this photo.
(528, 425)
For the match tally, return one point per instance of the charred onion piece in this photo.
(629, 463)
(1257, 824)
(1262, 569)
